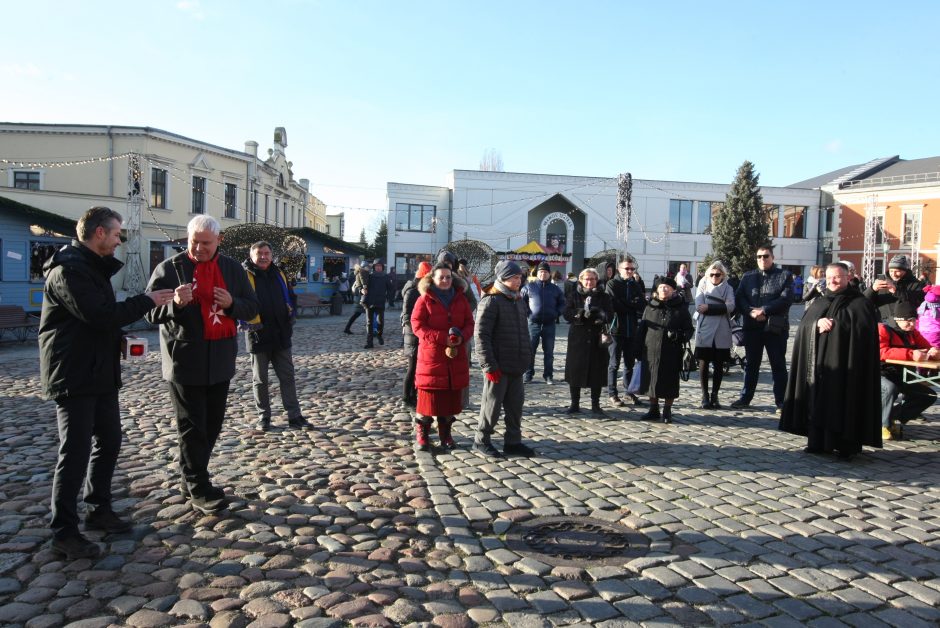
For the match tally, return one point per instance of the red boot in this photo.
(423, 433)
(444, 424)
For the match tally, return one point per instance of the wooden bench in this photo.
(17, 323)
(311, 302)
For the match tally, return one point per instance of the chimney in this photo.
(251, 147)
(305, 184)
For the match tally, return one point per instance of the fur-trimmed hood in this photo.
(459, 284)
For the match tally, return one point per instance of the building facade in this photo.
(65, 169)
(576, 217)
(336, 225)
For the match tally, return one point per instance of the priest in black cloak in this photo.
(833, 391)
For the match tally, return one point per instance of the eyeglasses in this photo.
(905, 320)
(715, 274)
(763, 256)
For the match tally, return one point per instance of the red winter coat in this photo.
(430, 321)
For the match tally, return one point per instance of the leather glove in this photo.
(494, 376)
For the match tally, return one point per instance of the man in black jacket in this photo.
(374, 296)
(763, 299)
(899, 287)
(79, 364)
(628, 297)
(198, 345)
(268, 336)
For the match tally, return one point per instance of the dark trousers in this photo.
(508, 396)
(375, 319)
(903, 402)
(546, 333)
(621, 347)
(755, 341)
(356, 314)
(89, 443)
(409, 393)
(283, 363)
(199, 414)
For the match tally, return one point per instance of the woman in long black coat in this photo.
(588, 309)
(667, 326)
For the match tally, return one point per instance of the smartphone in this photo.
(881, 277)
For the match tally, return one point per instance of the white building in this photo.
(508, 210)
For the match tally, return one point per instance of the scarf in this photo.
(206, 276)
(444, 296)
(504, 289)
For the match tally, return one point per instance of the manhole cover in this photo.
(580, 541)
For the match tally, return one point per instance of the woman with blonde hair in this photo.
(588, 309)
(714, 306)
(815, 284)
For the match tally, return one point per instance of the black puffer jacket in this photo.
(80, 326)
(502, 334)
(189, 359)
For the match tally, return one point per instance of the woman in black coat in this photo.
(588, 309)
(667, 326)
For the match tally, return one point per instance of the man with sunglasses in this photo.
(627, 295)
(763, 299)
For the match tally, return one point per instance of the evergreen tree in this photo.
(741, 225)
(362, 238)
(380, 244)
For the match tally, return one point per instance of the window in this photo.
(407, 263)
(409, 217)
(199, 195)
(773, 213)
(266, 199)
(39, 253)
(794, 226)
(680, 216)
(231, 198)
(277, 210)
(254, 206)
(707, 210)
(879, 227)
(911, 227)
(158, 188)
(26, 180)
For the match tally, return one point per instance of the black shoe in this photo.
(213, 492)
(706, 403)
(518, 449)
(381, 340)
(813, 450)
(208, 504)
(596, 410)
(76, 546)
(488, 449)
(637, 401)
(106, 520)
(667, 415)
(714, 400)
(300, 423)
(651, 415)
(549, 381)
(264, 424)
(347, 331)
(740, 404)
(572, 409)
(368, 345)
(526, 379)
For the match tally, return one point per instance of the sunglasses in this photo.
(715, 274)
(629, 268)
(763, 256)
(905, 320)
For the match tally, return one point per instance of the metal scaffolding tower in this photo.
(133, 265)
(869, 253)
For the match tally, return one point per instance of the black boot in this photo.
(706, 401)
(714, 400)
(653, 413)
(596, 403)
(667, 414)
(575, 406)
(703, 380)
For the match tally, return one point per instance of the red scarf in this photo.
(215, 324)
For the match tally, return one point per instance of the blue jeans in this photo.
(912, 399)
(755, 341)
(546, 333)
(621, 347)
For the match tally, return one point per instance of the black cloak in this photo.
(666, 327)
(834, 388)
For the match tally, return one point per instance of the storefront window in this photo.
(406, 264)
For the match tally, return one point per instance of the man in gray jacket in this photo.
(198, 345)
(502, 338)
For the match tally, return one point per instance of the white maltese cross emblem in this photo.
(214, 313)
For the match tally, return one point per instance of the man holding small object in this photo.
(198, 346)
(79, 364)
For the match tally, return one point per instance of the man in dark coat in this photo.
(899, 287)
(198, 345)
(79, 369)
(502, 339)
(544, 302)
(628, 298)
(763, 299)
(833, 392)
(409, 296)
(268, 336)
(374, 296)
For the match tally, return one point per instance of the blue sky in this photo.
(372, 91)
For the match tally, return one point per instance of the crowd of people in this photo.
(850, 338)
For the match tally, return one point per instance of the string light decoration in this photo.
(480, 256)
(289, 251)
(134, 282)
(624, 207)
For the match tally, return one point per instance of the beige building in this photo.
(65, 169)
(336, 225)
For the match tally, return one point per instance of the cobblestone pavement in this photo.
(345, 524)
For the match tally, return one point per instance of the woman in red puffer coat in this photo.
(442, 321)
